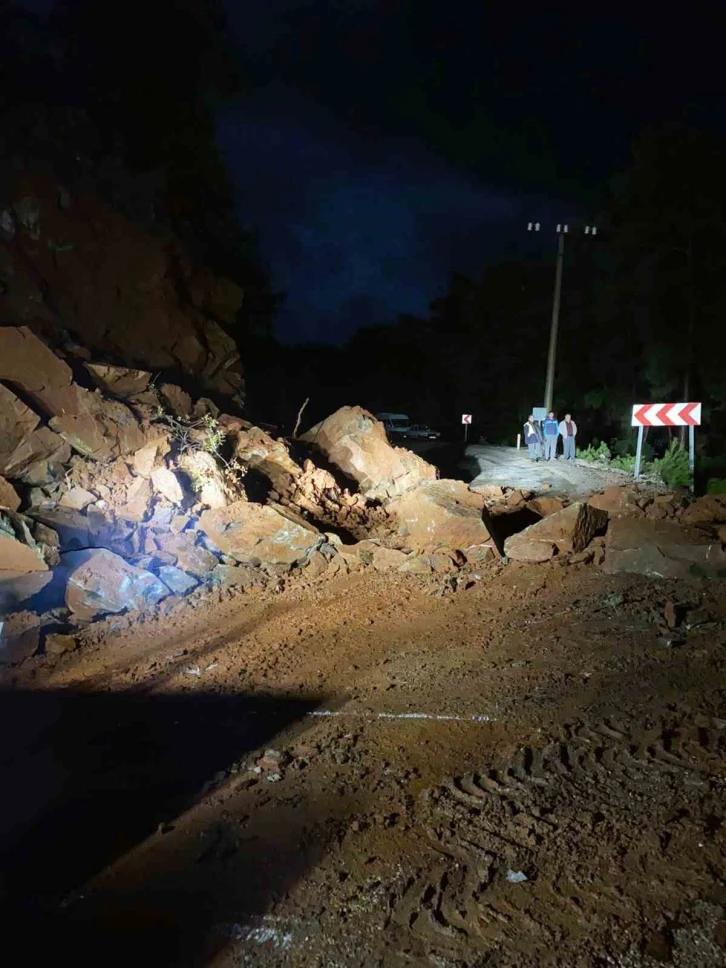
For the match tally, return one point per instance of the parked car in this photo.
(421, 432)
(395, 423)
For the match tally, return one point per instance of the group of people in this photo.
(546, 439)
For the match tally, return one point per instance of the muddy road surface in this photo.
(510, 467)
(378, 771)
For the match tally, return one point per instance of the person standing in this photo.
(533, 438)
(568, 432)
(551, 430)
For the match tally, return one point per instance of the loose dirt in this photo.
(526, 771)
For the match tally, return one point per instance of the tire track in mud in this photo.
(578, 847)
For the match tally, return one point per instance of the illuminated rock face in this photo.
(100, 582)
(355, 442)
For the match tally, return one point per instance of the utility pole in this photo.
(562, 231)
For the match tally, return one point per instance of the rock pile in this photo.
(116, 495)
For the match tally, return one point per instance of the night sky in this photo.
(383, 143)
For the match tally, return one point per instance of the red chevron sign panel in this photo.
(667, 415)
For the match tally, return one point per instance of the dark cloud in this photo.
(345, 223)
(384, 142)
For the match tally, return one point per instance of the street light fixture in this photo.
(562, 231)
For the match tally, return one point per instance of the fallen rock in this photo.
(20, 551)
(177, 581)
(58, 644)
(17, 422)
(570, 530)
(622, 499)
(70, 525)
(166, 483)
(39, 459)
(545, 506)
(26, 362)
(19, 637)
(490, 492)
(96, 428)
(18, 589)
(118, 380)
(661, 549)
(706, 512)
(236, 576)
(144, 459)
(355, 442)
(137, 505)
(187, 553)
(442, 513)
(260, 535)
(77, 498)
(254, 448)
(205, 478)
(178, 400)
(9, 497)
(430, 563)
(371, 552)
(100, 582)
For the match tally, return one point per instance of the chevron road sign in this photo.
(667, 415)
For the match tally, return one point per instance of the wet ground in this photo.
(510, 467)
(528, 771)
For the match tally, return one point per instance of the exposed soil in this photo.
(527, 771)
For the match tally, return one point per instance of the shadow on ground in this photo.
(85, 778)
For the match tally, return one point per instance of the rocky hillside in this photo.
(98, 285)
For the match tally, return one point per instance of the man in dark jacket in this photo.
(533, 438)
(551, 431)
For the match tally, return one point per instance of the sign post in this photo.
(667, 415)
(466, 420)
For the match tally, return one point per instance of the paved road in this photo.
(509, 467)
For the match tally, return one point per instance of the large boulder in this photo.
(444, 514)
(569, 530)
(661, 549)
(100, 582)
(260, 535)
(355, 442)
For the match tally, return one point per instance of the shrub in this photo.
(673, 467)
(716, 485)
(595, 452)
